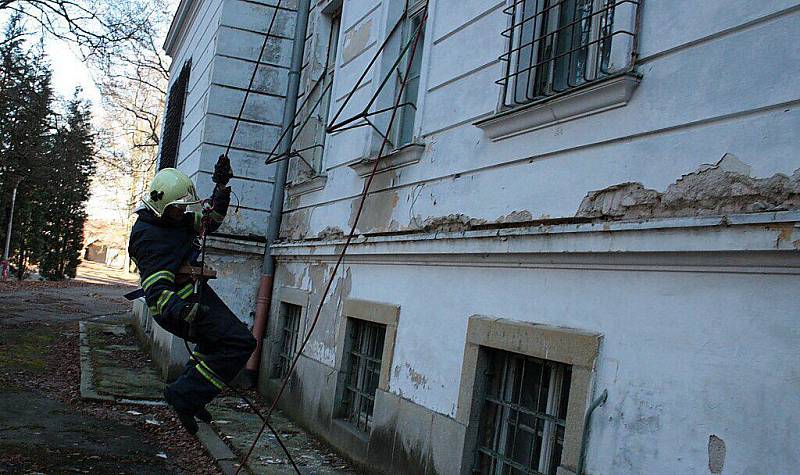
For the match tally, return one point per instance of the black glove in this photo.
(222, 171)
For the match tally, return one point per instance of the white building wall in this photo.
(224, 44)
(690, 350)
(674, 359)
(223, 39)
(693, 85)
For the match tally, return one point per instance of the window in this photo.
(330, 70)
(524, 415)
(173, 119)
(363, 374)
(557, 45)
(290, 332)
(404, 133)
(525, 389)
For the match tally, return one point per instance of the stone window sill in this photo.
(402, 157)
(307, 185)
(601, 96)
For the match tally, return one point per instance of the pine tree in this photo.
(26, 98)
(53, 156)
(73, 164)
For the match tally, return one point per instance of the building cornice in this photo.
(720, 237)
(179, 24)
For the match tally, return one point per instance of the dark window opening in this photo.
(330, 71)
(173, 119)
(290, 332)
(523, 416)
(364, 356)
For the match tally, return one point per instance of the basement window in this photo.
(173, 119)
(364, 359)
(558, 45)
(290, 332)
(524, 415)
(525, 389)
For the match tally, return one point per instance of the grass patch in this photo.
(25, 349)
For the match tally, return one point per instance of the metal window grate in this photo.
(173, 119)
(558, 45)
(290, 315)
(523, 416)
(365, 354)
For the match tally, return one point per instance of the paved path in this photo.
(238, 425)
(45, 427)
(42, 434)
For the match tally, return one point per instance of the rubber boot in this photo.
(186, 418)
(204, 415)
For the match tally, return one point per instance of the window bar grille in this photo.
(524, 416)
(291, 331)
(366, 351)
(557, 45)
(173, 119)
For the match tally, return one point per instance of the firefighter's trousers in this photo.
(223, 346)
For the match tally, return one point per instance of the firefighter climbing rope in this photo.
(203, 235)
(363, 118)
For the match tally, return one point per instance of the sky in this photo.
(69, 71)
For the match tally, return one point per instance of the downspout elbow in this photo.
(599, 401)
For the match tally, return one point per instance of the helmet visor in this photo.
(190, 198)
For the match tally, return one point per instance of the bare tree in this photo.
(96, 25)
(121, 43)
(120, 40)
(132, 76)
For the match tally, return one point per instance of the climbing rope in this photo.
(199, 292)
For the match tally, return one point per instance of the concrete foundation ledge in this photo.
(225, 459)
(409, 438)
(405, 437)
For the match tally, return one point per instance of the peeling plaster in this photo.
(722, 188)
(716, 454)
(295, 224)
(377, 213)
(515, 217)
(418, 379)
(449, 223)
(356, 40)
(331, 233)
(322, 346)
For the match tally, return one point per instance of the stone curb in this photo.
(87, 372)
(223, 456)
(88, 390)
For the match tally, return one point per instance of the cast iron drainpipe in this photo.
(587, 418)
(264, 295)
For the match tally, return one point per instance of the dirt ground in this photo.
(45, 427)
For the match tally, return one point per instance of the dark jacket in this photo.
(159, 248)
